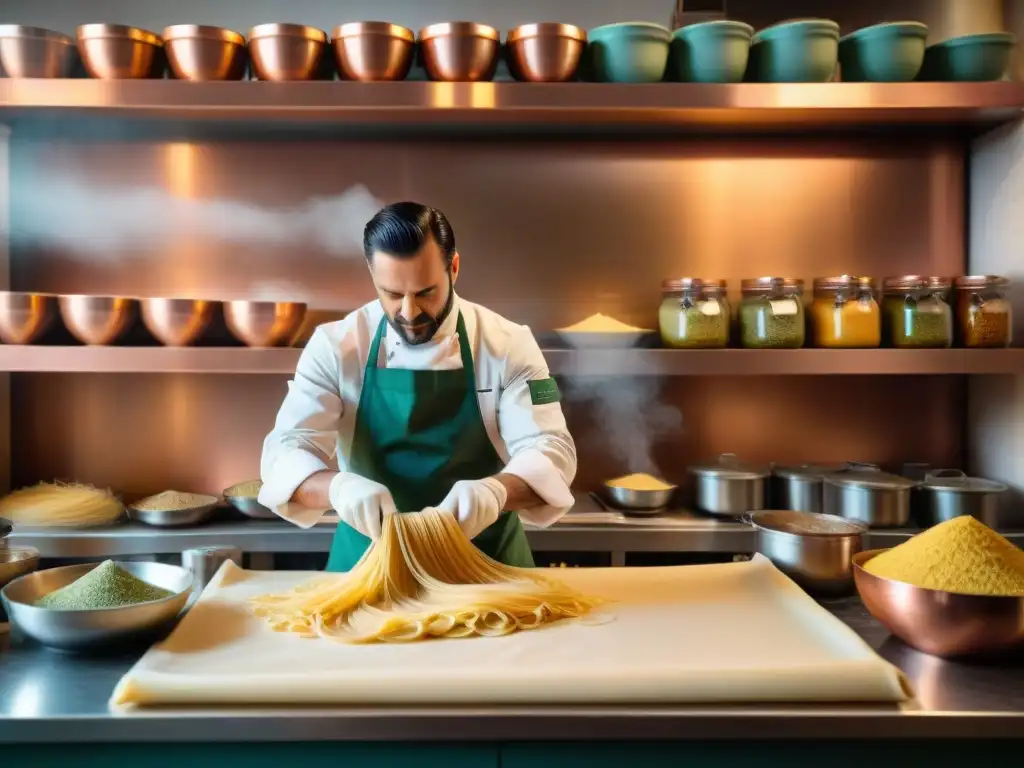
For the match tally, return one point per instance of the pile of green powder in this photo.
(105, 586)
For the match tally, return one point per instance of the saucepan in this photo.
(639, 502)
(863, 492)
(729, 486)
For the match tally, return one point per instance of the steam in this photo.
(629, 417)
(97, 224)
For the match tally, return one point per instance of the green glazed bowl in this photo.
(969, 58)
(710, 52)
(629, 52)
(884, 53)
(801, 51)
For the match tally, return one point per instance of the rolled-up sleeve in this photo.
(541, 450)
(305, 435)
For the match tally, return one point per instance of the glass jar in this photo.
(916, 312)
(845, 313)
(694, 314)
(772, 313)
(983, 313)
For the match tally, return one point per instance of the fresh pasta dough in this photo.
(422, 579)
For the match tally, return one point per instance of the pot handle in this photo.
(727, 459)
(946, 474)
(747, 518)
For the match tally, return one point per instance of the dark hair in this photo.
(401, 229)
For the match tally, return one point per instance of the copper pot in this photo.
(24, 317)
(36, 52)
(371, 51)
(116, 52)
(98, 319)
(199, 53)
(177, 322)
(287, 51)
(545, 53)
(264, 323)
(460, 51)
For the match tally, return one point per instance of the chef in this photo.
(426, 400)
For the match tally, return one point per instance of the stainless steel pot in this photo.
(864, 493)
(800, 488)
(949, 493)
(816, 551)
(729, 487)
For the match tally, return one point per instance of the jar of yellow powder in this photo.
(916, 313)
(845, 313)
(984, 316)
(694, 314)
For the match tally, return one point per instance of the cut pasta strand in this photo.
(422, 579)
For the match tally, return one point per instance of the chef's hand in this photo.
(360, 502)
(475, 503)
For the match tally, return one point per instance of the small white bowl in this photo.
(593, 340)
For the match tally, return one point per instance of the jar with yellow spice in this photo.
(694, 313)
(772, 313)
(916, 313)
(845, 313)
(983, 313)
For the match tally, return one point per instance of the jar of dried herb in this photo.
(772, 313)
(694, 313)
(916, 312)
(845, 313)
(984, 315)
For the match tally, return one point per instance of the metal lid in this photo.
(202, 32)
(97, 31)
(386, 28)
(755, 285)
(36, 33)
(546, 29)
(956, 481)
(805, 523)
(807, 471)
(459, 29)
(728, 467)
(867, 477)
(981, 281)
(916, 283)
(287, 30)
(674, 285)
(841, 282)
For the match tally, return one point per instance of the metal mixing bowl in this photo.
(372, 51)
(17, 561)
(82, 630)
(98, 319)
(460, 51)
(287, 51)
(638, 502)
(117, 52)
(24, 317)
(36, 52)
(177, 322)
(201, 53)
(250, 507)
(264, 323)
(940, 623)
(545, 53)
(175, 518)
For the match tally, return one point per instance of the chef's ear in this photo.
(455, 267)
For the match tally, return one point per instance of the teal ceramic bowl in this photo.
(710, 52)
(884, 53)
(630, 52)
(970, 58)
(801, 51)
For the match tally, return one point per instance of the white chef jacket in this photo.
(317, 419)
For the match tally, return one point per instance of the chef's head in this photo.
(410, 249)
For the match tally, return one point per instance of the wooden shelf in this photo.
(632, 362)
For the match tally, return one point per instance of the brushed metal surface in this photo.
(284, 52)
(33, 52)
(373, 51)
(24, 317)
(547, 52)
(97, 319)
(460, 51)
(176, 322)
(117, 52)
(264, 323)
(201, 53)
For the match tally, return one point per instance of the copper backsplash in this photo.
(550, 232)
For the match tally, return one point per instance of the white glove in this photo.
(475, 503)
(360, 502)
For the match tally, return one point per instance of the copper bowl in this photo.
(460, 51)
(545, 53)
(98, 319)
(371, 51)
(177, 322)
(199, 53)
(264, 323)
(36, 52)
(287, 51)
(940, 623)
(24, 317)
(116, 52)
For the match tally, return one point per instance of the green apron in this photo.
(418, 433)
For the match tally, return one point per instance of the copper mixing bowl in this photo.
(177, 322)
(200, 53)
(36, 52)
(940, 623)
(117, 52)
(286, 51)
(24, 317)
(264, 323)
(98, 319)
(371, 51)
(545, 53)
(460, 51)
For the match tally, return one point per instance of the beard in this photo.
(423, 327)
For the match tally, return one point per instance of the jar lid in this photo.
(840, 282)
(807, 471)
(916, 283)
(867, 477)
(728, 467)
(768, 284)
(956, 481)
(692, 284)
(981, 281)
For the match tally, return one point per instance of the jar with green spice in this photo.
(772, 313)
(694, 313)
(984, 315)
(916, 312)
